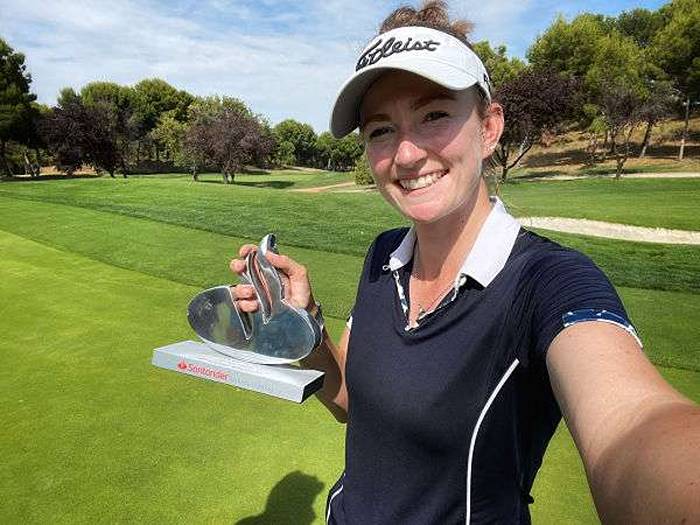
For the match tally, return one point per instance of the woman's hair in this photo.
(433, 14)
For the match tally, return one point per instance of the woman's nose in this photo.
(408, 151)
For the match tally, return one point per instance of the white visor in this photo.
(427, 52)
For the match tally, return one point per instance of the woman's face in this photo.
(425, 144)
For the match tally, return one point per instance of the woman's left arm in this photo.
(638, 437)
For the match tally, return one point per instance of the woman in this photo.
(470, 336)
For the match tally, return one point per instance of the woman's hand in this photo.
(295, 280)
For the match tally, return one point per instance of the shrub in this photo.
(362, 173)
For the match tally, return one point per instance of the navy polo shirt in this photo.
(448, 420)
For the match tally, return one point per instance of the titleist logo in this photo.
(392, 46)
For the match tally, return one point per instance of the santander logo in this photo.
(202, 371)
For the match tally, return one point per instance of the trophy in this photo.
(254, 351)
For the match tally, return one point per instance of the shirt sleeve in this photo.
(570, 289)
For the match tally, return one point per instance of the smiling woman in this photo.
(426, 145)
(471, 336)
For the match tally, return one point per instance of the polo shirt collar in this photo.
(487, 257)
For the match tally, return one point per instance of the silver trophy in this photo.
(254, 351)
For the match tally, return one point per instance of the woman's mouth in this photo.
(423, 181)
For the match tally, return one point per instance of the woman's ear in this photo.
(491, 129)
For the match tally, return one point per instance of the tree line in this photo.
(151, 125)
(605, 76)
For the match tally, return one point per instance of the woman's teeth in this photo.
(422, 182)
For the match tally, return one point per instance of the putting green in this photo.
(94, 433)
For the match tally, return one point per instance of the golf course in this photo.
(97, 272)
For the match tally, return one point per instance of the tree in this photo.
(264, 143)
(224, 132)
(346, 152)
(501, 68)
(34, 140)
(567, 47)
(116, 104)
(641, 25)
(170, 132)
(284, 154)
(656, 106)
(302, 136)
(534, 102)
(67, 96)
(677, 48)
(338, 154)
(616, 60)
(621, 108)
(362, 173)
(77, 134)
(17, 116)
(152, 98)
(618, 64)
(62, 131)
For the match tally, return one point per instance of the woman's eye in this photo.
(378, 132)
(435, 115)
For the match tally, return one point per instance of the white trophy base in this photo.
(197, 359)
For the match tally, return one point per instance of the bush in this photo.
(362, 173)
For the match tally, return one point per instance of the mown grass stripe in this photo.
(179, 254)
(637, 265)
(200, 259)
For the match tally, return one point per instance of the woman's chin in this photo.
(426, 213)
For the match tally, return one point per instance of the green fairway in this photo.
(289, 179)
(97, 273)
(301, 218)
(656, 203)
(338, 223)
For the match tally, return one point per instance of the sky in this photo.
(284, 58)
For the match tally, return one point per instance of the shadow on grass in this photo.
(273, 184)
(537, 175)
(255, 171)
(567, 157)
(25, 178)
(290, 502)
(556, 158)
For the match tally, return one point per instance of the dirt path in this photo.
(612, 230)
(319, 189)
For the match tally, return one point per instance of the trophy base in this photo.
(197, 359)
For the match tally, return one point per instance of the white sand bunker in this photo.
(612, 230)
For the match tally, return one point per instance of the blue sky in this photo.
(285, 58)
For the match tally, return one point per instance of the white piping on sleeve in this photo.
(488, 404)
(330, 502)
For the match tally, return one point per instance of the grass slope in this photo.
(337, 223)
(200, 259)
(188, 256)
(235, 209)
(94, 433)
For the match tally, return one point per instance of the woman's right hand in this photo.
(295, 281)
